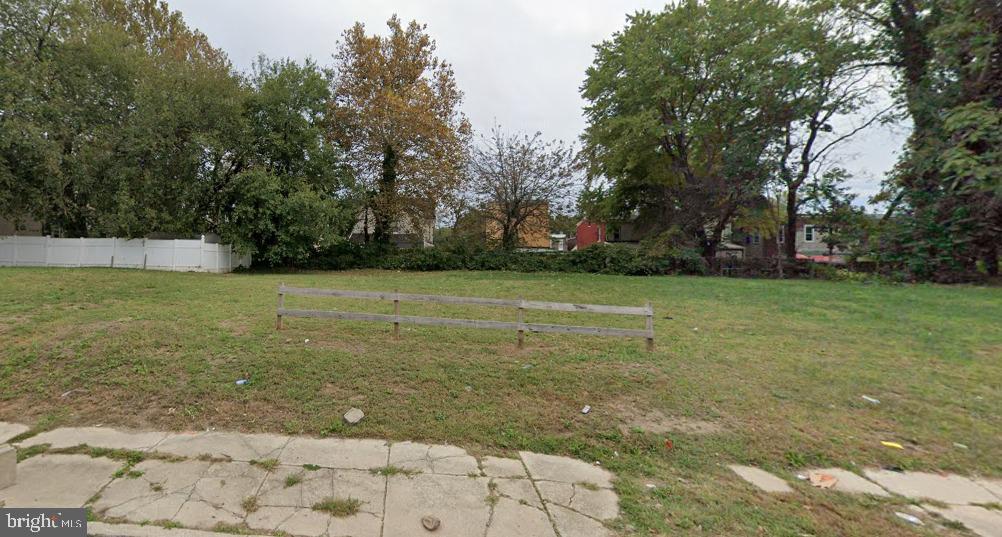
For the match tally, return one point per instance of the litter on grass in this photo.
(822, 480)
(909, 518)
(894, 445)
(586, 409)
(242, 382)
(873, 400)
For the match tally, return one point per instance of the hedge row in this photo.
(601, 259)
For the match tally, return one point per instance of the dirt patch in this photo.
(633, 416)
(9, 323)
(236, 327)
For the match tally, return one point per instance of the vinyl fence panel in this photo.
(174, 255)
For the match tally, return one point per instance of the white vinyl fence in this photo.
(175, 255)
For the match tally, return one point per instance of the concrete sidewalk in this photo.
(262, 483)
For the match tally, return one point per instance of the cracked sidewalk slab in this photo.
(10, 430)
(215, 481)
(433, 459)
(99, 437)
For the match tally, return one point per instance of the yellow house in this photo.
(534, 231)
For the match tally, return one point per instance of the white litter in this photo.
(586, 409)
(869, 399)
(909, 518)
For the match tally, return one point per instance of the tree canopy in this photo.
(395, 112)
(683, 107)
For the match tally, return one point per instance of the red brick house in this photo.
(588, 233)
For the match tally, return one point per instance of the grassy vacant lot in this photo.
(761, 372)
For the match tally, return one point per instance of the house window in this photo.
(809, 233)
(756, 238)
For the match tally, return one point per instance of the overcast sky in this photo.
(520, 62)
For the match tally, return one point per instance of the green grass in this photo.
(338, 507)
(778, 367)
(267, 464)
(292, 480)
(390, 470)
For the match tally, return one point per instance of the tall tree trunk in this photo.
(509, 233)
(710, 244)
(384, 208)
(790, 246)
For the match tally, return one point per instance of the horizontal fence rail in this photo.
(520, 326)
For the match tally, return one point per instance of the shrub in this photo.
(600, 259)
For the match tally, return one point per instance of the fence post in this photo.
(650, 327)
(281, 305)
(114, 248)
(521, 322)
(396, 312)
(80, 252)
(201, 253)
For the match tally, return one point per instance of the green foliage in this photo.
(843, 225)
(683, 106)
(599, 259)
(116, 118)
(946, 186)
(294, 198)
(279, 222)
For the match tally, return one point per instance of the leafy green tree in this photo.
(683, 108)
(115, 118)
(831, 103)
(944, 193)
(295, 195)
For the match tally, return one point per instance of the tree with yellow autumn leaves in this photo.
(395, 113)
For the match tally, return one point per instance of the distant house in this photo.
(810, 242)
(589, 232)
(558, 242)
(408, 231)
(738, 243)
(533, 233)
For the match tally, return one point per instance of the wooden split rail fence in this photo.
(520, 326)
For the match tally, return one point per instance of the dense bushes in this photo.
(604, 259)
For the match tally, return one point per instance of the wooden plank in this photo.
(521, 323)
(405, 297)
(410, 319)
(586, 330)
(649, 325)
(281, 306)
(466, 323)
(586, 308)
(443, 299)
